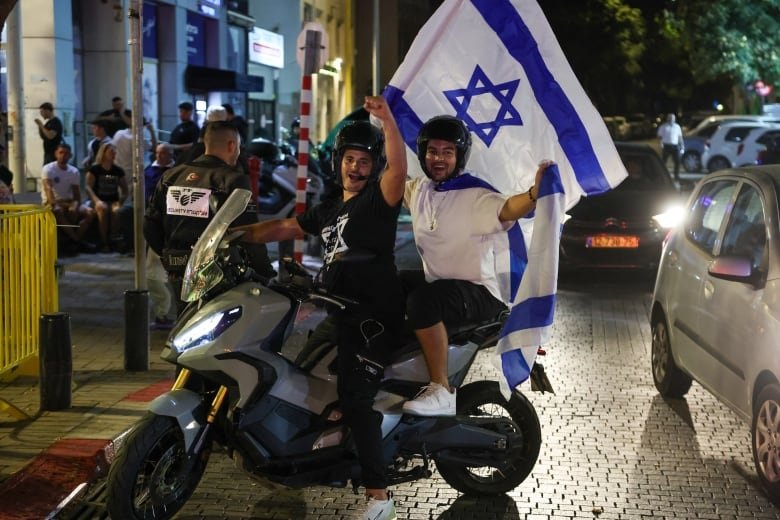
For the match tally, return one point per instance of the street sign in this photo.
(318, 41)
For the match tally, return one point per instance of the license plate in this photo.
(612, 241)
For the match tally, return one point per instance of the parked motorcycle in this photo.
(280, 421)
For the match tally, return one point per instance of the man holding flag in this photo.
(459, 223)
(496, 66)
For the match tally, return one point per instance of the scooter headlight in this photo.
(205, 330)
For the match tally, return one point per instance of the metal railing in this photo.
(28, 284)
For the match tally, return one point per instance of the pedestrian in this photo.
(99, 129)
(50, 130)
(107, 190)
(180, 208)
(213, 113)
(117, 117)
(672, 143)
(6, 180)
(239, 122)
(186, 133)
(363, 220)
(157, 278)
(457, 222)
(61, 193)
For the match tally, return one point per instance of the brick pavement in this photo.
(44, 459)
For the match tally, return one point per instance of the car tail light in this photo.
(760, 157)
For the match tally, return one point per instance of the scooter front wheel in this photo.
(151, 478)
(484, 399)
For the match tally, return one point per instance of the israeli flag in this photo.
(496, 65)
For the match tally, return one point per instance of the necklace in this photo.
(434, 210)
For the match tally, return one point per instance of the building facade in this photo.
(76, 54)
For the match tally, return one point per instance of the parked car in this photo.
(624, 227)
(756, 142)
(722, 148)
(714, 315)
(772, 153)
(696, 139)
(618, 127)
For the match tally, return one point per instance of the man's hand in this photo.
(377, 106)
(38, 122)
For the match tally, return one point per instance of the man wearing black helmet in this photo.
(360, 223)
(454, 216)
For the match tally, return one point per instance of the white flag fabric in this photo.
(496, 65)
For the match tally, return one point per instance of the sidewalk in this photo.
(46, 460)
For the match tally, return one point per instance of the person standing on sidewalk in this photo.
(362, 220)
(186, 199)
(50, 130)
(672, 143)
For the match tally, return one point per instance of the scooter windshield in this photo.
(202, 273)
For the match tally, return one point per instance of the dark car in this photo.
(772, 153)
(625, 227)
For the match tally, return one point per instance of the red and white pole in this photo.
(303, 158)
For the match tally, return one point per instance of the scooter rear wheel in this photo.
(151, 477)
(484, 398)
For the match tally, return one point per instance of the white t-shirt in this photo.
(123, 142)
(670, 133)
(62, 181)
(456, 231)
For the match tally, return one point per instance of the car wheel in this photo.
(765, 437)
(718, 163)
(669, 380)
(691, 162)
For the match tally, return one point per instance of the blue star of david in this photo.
(480, 84)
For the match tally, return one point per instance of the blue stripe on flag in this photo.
(529, 314)
(551, 182)
(514, 367)
(518, 259)
(573, 137)
(405, 117)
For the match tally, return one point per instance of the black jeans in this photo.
(356, 393)
(674, 151)
(450, 301)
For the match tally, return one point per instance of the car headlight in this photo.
(205, 330)
(671, 217)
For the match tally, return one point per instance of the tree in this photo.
(733, 39)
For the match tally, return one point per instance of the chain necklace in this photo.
(434, 210)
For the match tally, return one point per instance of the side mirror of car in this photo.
(735, 269)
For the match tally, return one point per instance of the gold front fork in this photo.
(216, 404)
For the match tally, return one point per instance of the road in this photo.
(612, 448)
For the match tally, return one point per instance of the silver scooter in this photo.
(280, 420)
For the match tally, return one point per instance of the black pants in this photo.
(674, 151)
(372, 336)
(450, 301)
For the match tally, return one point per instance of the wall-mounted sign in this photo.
(266, 48)
(196, 39)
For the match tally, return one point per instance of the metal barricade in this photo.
(28, 285)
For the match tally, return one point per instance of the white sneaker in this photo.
(379, 510)
(432, 400)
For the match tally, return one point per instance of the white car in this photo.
(720, 150)
(715, 315)
(755, 143)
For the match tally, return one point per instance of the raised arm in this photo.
(522, 204)
(394, 177)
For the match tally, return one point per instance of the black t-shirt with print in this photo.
(107, 182)
(363, 224)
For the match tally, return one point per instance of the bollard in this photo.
(55, 359)
(136, 331)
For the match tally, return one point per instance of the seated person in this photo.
(107, 190)
(62, 194)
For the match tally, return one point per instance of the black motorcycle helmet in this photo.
(446, 128)
(360, 135)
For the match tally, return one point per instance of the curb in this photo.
(62, 473)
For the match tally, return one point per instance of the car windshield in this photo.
(644, 173)
(202, 272)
